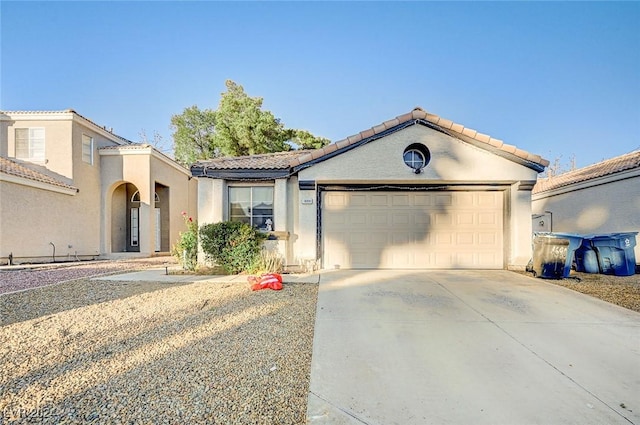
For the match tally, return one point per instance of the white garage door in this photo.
(413, 230)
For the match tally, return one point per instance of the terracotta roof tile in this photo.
(508, 148)
(14, 168)
(405, 117)
(367, 133)
(496, 142)
(483, 137)
(446, 124)
(355, 138)
(601, 169)
(469, 132)
(391, 123)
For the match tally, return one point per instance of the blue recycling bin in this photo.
(553, 254)
(586, 257)
(615, 252)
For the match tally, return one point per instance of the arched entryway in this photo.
(125, 219)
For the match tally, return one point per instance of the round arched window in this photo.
(416, 157)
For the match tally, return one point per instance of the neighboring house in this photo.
(600, 198)
(415, 192)
(71, 189)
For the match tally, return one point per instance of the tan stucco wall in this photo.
(30, 218)
(62, 219)
(144, 169)
(609, 206)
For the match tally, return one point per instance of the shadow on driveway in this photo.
(481, 347)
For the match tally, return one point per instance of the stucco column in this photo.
(306, 226)
(147, 220)
(520, 224)
(206, 201)
(280, 204)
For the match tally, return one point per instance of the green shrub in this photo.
(232, 245)
(186, 249)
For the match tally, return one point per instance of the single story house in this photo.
(600, 198)
(414, 192)
(73, 190)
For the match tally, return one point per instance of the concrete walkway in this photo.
(469, 347)
(163, 275)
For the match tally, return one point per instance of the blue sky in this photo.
(558, 79)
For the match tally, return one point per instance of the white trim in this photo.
(37, 184)
(91, 148)
(612, 178)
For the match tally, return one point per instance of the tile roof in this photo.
(446, 126)
(601, 169)
(69, 111)
(300, 159)
(14, 168)
(268, 161)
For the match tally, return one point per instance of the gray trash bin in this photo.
(553, 254)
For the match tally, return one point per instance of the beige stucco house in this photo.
(71, 189)
(600, 198)
(415, 192)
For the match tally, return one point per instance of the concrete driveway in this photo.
(469, 347)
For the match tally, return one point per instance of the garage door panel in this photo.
(401, 219)
(357, 199)
(400, 200)
(490, 218)
(380, 218)
(420, 199)
(444, 200)
(465, 238)
(413, 229)
(379, 200)
(466, 218)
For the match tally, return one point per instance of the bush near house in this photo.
(186, 249)
(233, 245)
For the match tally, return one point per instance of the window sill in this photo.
(277, 235)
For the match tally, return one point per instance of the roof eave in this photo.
(239, 174)
(538, 167)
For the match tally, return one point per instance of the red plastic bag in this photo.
(269, 280)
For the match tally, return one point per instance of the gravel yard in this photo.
(17, 278)
(93, 351)
(79, 350)
(620, 290)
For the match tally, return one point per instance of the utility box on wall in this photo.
(541, 222)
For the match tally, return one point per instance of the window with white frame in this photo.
(87, 149)
(30, 144)
(252, 205)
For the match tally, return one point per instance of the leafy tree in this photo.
(243, 128)
(193, 136)
(305, 140)
(238, 127)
